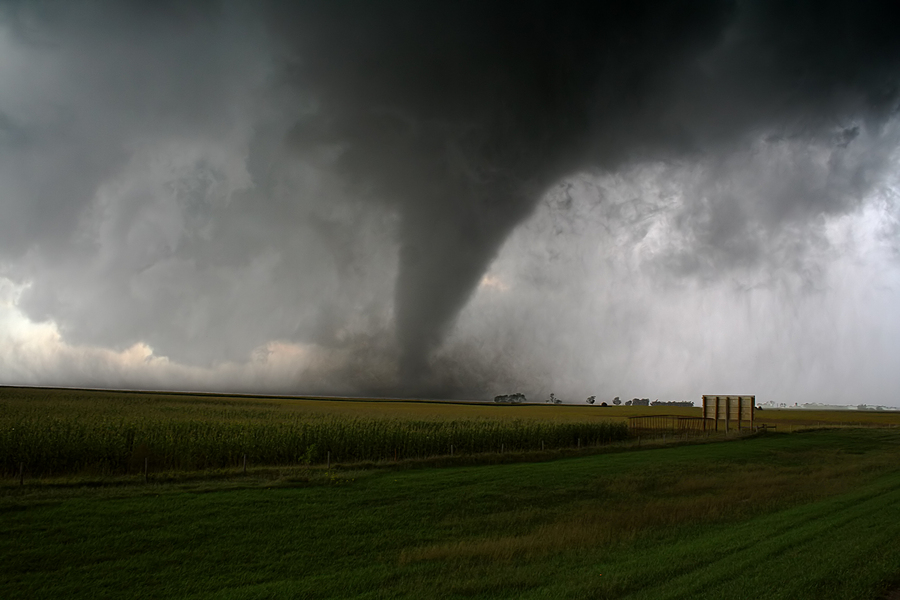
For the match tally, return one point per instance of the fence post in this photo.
(21, 473)
(451, 449)
(245, 464)
(542, 445)
(578, 443)
(146, 468)
(328, 459)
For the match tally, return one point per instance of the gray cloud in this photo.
(207, 179)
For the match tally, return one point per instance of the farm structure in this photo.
(729, 409)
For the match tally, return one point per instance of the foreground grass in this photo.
(812, 515)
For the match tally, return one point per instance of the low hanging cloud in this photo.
(218, 183)
(591, 275)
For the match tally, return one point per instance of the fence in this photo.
(669, 423)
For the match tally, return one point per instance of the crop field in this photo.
(174, 405)
(828, 418)
(814, 514)
(47, 433)
(220, 406)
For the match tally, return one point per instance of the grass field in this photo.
(806, 515)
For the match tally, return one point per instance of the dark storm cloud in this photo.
(305, 139)
(462, 114)
(98, 78)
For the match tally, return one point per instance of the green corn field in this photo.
(116, 436)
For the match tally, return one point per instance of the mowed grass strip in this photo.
(810, 515)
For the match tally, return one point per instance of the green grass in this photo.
(811, 515)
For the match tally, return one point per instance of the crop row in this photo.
(53, 446)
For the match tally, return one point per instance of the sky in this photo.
(453, 199)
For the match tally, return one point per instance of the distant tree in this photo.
(628, 403)
(591, 399)
(616, 401)
(516, 398)
(554, 399)
(604, 404)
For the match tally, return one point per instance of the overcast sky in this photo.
(453, 199)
